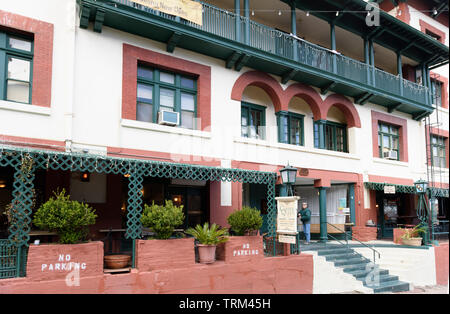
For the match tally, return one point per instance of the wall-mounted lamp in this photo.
(2, 184)
(85, 177)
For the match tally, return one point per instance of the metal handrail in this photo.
(351, 236)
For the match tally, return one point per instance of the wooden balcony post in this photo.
(367, 58)
(399, 72)
(237, 11)
(333, 44)
(247, 20)
(294, 30)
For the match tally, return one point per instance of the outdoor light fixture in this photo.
(421, 186)
(85, 177)
(2, 184)
(288, 175)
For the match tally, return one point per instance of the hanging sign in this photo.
(389, 189)
(287, 214)
(187, 9)
(283, 238)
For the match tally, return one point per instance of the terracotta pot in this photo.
(117, 261)
(412, 241)
(206, 253)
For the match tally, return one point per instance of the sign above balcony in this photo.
(186, 9)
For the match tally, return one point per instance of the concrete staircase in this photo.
(361, 268)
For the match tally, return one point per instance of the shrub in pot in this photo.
(208, 238)
(245, 221)
(69, 219)
(162, 219)
(411, 236)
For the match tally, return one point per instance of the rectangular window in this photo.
(436, 90)
(388, 141)
(290, 128)
(16, 56)
(438, 151)
(253, 121)
(335, 136)
(158, 90)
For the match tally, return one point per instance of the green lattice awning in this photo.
(409, 189)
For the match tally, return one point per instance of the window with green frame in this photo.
(290, 128)
(162, 90)
(253, 120)
(438, 151)
(16, 67)
(388, 139)
(436, 89)
(335, 136)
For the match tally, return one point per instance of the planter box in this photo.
(57, 261)
(163, 254)
(398, 232)
(364, 234)
(412, 241)
(241, 249)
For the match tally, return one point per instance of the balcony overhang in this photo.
(235, 53)
(393, 33)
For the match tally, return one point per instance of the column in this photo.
(333, 45)
(367, 58)
(237, 11)
(372, 61)
(323, 213)
(247, 20)
(294, 30)
(399, 71)
(351, 190)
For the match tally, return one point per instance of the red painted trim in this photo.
(424, 26)
(33, 142)
(347, 108)
(132, 55)
(444, 88)
(391, 180)
(308, 94)
(43, 53)
(403, 134)
(263, 81)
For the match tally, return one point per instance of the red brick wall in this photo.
(164, 254)
(364, 234)
(240, 249)
(398, 232)
(270, 275)
(441, 256)
(51, 261)
(43, 53)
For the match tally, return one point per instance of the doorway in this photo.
(194, 200)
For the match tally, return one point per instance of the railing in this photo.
(353, 238)
(228, 25)
(8, 259)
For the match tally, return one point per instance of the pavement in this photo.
(426, 290)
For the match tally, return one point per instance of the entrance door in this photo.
(193, 201)
(389, 206)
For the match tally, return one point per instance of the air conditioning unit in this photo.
(167, 117)
(392, 154)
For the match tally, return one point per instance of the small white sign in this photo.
(389, 189)
(286, 238)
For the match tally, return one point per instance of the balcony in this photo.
(240, 42)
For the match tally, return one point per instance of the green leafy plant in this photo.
(245, 220)
(208, 235)
(414, 232)
(66, 217)
(162, 219)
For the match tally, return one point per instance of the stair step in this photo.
(390, 286)
(339, 257)
(335, 251)
(382, 279)
(352, 261)
(355, 267)
(363, 273)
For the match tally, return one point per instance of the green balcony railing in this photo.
(223, 23)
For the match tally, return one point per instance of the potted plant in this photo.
(246, 244)
(163, 250)
(411, 236)
(208, 238)
(70, 220)
(246, 221)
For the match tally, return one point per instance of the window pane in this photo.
(18, 69)
(18, 43)
(187, 119)
(166, 97)
(18, 91)
(167, 77)
(384, 128)
(386, 142)
(394, 130)
(187, 102)
(187, 82)
(144, 112)
(244, 131)
(145, 92)
(295, 131)
(146, 73)
(394, 142)
(434, 139)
